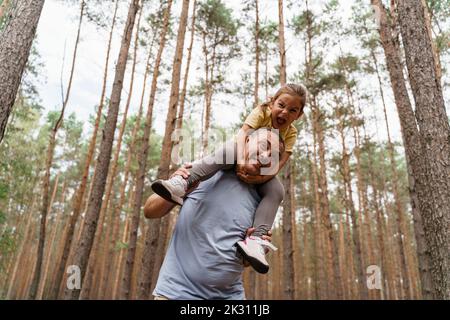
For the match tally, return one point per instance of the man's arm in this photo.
(156, 207)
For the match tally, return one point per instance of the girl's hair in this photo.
(293, 90)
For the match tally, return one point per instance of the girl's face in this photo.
(285, 110)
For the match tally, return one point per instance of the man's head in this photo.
(263, 149)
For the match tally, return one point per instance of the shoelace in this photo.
(264, 243)
(178, 181)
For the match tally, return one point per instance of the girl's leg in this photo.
(272, 193)
(222, 159)
(175, 188)
(252, 248)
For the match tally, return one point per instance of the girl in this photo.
(278, 113)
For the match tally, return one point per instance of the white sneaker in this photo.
(253, 250)
(173, 190)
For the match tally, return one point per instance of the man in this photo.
(201, 261)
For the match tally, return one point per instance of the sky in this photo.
(55, 41)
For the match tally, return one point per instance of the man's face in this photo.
(259, 148)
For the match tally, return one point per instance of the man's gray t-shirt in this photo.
(201, 261)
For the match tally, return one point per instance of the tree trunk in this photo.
(413, 145)
(288, 251)
(319, 272)
(334, 292)
(356, 223)
(164, 164)
(124, 238)
(256, 93)
(282, 49)
(111, 176)
(288, 263)
(80, 193)
(15, 44)
(209, 89)
(434, 135)
(84, 247)
(50, 154)
(186, 72)
(118, 208)
(50, 242)
(423, 260)
(142, 160)
(436, 53)
(21, 250)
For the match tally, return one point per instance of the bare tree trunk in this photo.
(85, 292)
(436, 53)
(52, 239)
(355, 218)
(251, 294)
(209, 89)
(186, 72)
(84, 247)
(131, 151)
(319, 272)
(334, 291)
(413, 145)
(282, 49)
(256, 93)
(288, 259)
(142, 160)
(79, 195)
(50, 154)
(434, 134)
(124, 237)
(21, 250)
(15, 44)
(164, 164)
(288, 251)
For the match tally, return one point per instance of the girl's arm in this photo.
(259, 179)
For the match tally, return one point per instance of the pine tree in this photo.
(434, 134)
(85, 245)
(15, 45)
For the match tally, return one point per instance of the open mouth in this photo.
(281, 122)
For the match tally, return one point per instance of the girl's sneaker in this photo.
(253, 250)
(173, 190)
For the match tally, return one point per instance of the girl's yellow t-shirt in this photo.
(261, 117)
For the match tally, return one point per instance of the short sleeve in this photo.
(256, 118)
(289, 140)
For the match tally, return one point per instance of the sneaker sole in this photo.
(255, 263)
(162, 191)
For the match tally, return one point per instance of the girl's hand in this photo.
(184, 172)
(241, 168)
